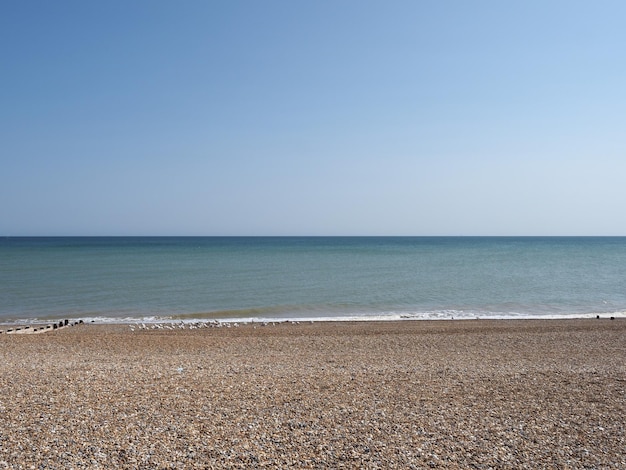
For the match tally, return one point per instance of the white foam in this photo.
(348, 317)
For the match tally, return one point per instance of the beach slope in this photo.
(412, 394)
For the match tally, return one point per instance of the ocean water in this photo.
(276, 278)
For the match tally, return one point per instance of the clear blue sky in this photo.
(313, 118)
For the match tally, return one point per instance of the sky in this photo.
(350, 117)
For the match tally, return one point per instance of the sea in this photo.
(245, 279)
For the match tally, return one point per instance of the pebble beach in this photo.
(405, 394)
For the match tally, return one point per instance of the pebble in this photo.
(527, 394)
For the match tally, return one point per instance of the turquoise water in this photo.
(153, 278)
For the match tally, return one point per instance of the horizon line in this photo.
(313, 236)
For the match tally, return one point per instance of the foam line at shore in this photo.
(32, 325)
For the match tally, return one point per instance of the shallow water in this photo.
(155, 278)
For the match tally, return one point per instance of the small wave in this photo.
(265, 315)
(283, 314)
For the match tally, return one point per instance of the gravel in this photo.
(411, 394)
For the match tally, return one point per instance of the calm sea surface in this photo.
(153, 278)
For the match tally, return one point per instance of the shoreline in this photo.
(428, 394)
(28, 327)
